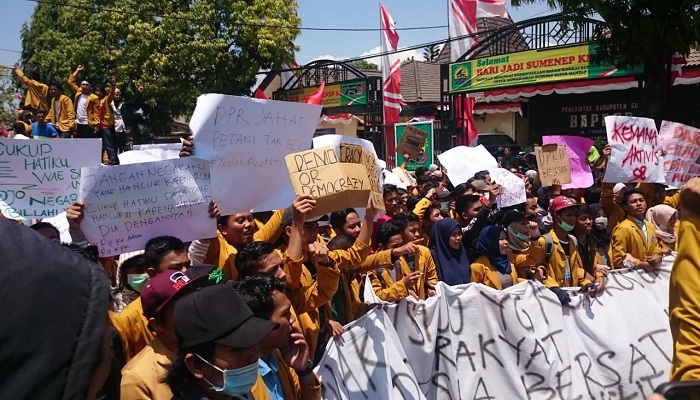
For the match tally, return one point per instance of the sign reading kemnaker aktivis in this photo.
(530, 67)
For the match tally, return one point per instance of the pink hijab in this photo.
(660, 216)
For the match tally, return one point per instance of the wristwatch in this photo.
(309, 369)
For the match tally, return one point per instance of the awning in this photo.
(498, 108)
(688, 77)
(344, 119)
(575, 87)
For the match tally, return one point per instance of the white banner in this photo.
(40, 178)
(512, 188)
(150, 152)
(463, 162)
(635, 150)
(126, 205)
(246, 141)
(474, 342)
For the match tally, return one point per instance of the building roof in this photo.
(420, 81)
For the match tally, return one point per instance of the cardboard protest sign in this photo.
(552, 163)
(150, 152)
(512, 188)
(334, 185)
(392, 179)
(40, 179)
(474, 342)
(405, 177)
(246, 140)
(635, 151)
(412, 141)
(577, 149)
(127, 205)
(463, 162)
(356, 154)
(681, 146)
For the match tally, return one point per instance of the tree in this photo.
(8, 96)
(638, 32)
(176, 49)
(364, 64)
(431, 53)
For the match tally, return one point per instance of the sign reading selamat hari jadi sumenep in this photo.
(530, 67)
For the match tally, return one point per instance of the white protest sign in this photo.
(391, 178)
(246, 141)
(150, 152)
(61, 223)
(40, 178)
(127, 205)
(474, 342)
(512, 188)
(463, 162)
(681, 146)
(635, 150)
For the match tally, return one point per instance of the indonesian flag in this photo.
(391, 78)
(259, 94)
(317, 97)
(292, 69)
(677, 63)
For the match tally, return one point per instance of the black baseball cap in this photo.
(218, 314)
(512, 216)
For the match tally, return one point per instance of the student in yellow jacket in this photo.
(524, 252)
(634, 241)
(85, 104)
(493, 268)
(285, 367)
(36, 91)
(105, 128)
(564, 266)
(684, 291)
(61, 114)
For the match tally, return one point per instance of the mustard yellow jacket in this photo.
(64, 118)
(684, 303)
(36, 91)
(389, 289)
(90, 105)
(106, 117)
(291, 387)
(141, 377)
(132, 327)
(615, 212)
(482, 272)
(629, 238)
(526, 263)
(557, 264)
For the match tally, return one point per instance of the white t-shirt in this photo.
(81, 110)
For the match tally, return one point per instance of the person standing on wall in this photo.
(105, 129)
(62, 113)
(35, 99)
(85, 105)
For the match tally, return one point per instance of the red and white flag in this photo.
(391, 78)
(462, 21)
(677, 63)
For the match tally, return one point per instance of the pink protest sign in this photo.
(577, 149)
(635, 151)
(681, 146)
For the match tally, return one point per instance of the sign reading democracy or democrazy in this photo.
(350, 93)
(528, 67)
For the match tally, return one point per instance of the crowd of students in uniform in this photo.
(46, 112)
(248, 313)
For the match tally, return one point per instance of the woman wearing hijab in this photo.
(523, 252)
(601, 232)
(664, 219)
(493, 268)
(448, 252)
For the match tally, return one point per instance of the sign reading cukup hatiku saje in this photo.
(349, 93)
(530, 67)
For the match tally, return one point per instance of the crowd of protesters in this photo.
(94, 112)
(248, 313)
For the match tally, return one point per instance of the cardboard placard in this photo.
(405, 177)
(577, 149)
(412, 141)
(553, 163)
(356, 154)
(334, 185)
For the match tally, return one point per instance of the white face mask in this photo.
(601, 223)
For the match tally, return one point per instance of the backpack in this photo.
(549, 245)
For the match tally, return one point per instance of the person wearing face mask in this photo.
(601, 233)
(563, 261)
(132, 278)
(664, 218)
(524, 252)
(217, 334)
(493, 268)
(592, 264)
(448, 252)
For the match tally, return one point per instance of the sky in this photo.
(313, 45)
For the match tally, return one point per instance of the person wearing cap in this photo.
(684, 288)
(564, 266)
(87, 117)
(473, 216)
(217, 334)
(323, 228)
(285, 369)
(524, 251)
(142, 376)
(634, 241)
(36, 91)
(162, 254)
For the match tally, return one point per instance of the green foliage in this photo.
(8, 96)
(431, 53)
(646, 32)
(364, 64)
(175, 49)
